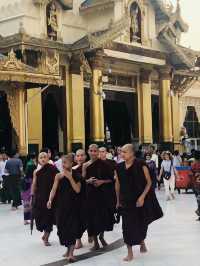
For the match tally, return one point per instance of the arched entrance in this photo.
(50, 116)
(6, 129)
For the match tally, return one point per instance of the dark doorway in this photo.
(191, 123)
(117, 120)
(50, 117)
(6, 130)
(155, 118)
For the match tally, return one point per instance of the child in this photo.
(66, 187)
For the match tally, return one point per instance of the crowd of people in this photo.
(91, 191)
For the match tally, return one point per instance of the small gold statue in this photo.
(52, 21)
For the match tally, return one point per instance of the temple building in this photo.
(74, 72)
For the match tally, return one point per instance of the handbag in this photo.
(167, 174)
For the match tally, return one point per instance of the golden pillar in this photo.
(21, 101)
(34, 103)
(97, 133)
(145, 107)
(166, 136)
(75, 106)
(176, 120)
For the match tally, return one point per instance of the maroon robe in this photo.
(44, 218)
(100, 209)
(135, 220)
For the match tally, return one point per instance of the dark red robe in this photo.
(100, 209)
(135, 220)
(44, 218)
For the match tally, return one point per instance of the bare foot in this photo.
(78, 244)
(46, 243)
(128, 258)
(71, 259)
(103, 242)
(95, 247)
(143, 248)
(66, 255)
(43, 237)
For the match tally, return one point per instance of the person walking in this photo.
(152, 169)
(99, 180)
(26, 187)
(136, 199)
(168, 172)
(67, 186)
(14, 171)
(177, 160)
(196, 180)
(80, 158)
(43, 180)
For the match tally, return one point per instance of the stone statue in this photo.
(52, 21)
(135, 24)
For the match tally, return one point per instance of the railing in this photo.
(195, 143)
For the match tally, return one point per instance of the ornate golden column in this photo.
(23, 144)
(166, 136)
(176, 120)
(34, 98)
(17, 100)
(97, 132)
(75, 106)
(144, 107)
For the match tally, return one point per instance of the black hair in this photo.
(197, 155)
(46, 150)
(176, 153)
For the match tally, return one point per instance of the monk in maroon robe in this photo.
(43, 180)
(136, 199)
(99, 180)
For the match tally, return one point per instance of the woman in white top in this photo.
(118, 158)
(168, 172)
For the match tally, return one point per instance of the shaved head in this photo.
(129, 147)
(80, 156)
(93, 151)
(80, 151)
(128, 152)
(93, 146)
(103, 153)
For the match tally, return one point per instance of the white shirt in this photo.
(58, 165)
(118, 159)
(166, 164)
(177, 161)
(2, 169)
(154, 157)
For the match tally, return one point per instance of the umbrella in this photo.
(32, 214)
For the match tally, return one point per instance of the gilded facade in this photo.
(94, 70)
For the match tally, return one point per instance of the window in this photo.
(192, 123)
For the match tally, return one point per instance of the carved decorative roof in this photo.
(89, 5)
(66, 4)
(178, 57)
(165, 14)
(13, 70)
(102, 38)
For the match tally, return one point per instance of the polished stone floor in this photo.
(172, 241)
